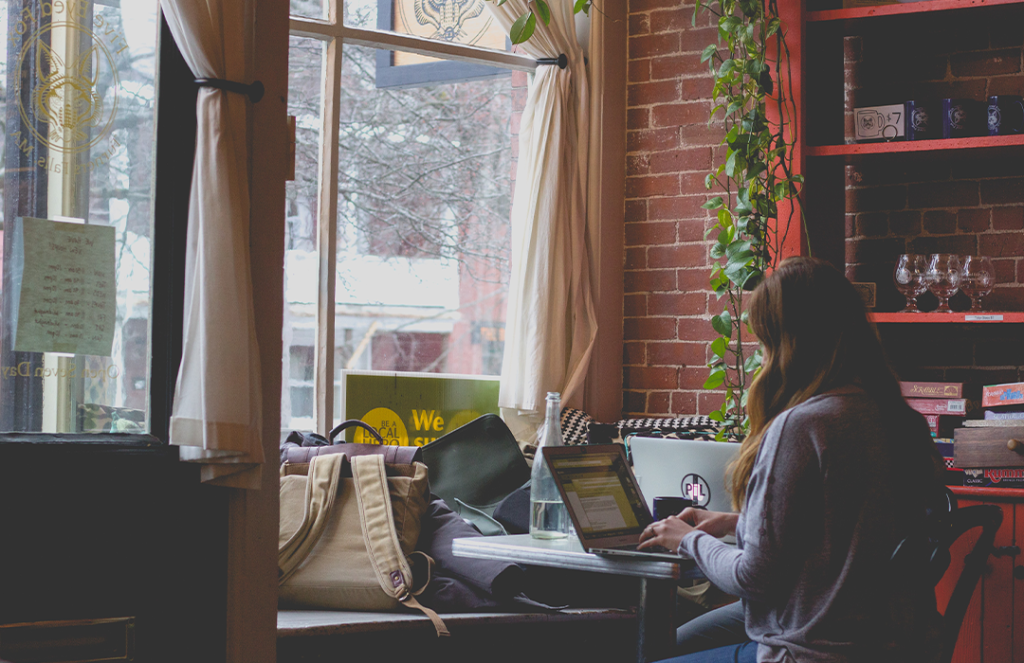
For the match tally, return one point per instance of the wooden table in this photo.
(658, 579)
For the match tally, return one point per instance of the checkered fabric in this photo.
(575, 426)
(692, 428)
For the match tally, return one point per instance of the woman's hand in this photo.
(667, 533)
(670, 531)
(715, 523)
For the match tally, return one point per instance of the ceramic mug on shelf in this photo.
(959, 118)
(1005, 115)
(922, 117)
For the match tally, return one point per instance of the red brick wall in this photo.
(669, 152)
(972, 204)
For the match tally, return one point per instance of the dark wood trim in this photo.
(175, 139)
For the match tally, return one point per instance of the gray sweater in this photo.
(829, 498)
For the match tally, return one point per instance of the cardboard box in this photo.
(932, 389)
(1008, 413)
(943, 425)
(956, 406)
(1010, 393)
(994, 477)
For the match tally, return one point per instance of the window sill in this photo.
(49, 445)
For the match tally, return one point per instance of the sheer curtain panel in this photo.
(216, 417)
(551, 322)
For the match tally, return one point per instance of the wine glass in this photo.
(943, 278)
(979, 277)
(909, 277)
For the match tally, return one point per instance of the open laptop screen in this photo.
(600, 491)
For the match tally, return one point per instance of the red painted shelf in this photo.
(902, 8)
(910, 146)
(987, 493)
(961, 317)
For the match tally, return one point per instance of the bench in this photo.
(594, 635)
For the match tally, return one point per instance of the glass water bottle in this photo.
(548, 516)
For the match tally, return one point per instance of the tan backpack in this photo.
(347, 542)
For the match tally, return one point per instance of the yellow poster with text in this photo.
(414, 409)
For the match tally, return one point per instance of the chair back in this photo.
(988, 517)
(925, 553)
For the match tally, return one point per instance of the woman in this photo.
(836, 470)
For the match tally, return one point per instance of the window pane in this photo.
(423, 221)
(308, 8)
(305, 73)
(79, 109)
(459, 21)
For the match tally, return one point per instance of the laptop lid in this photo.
(695, 469)
(600, 493)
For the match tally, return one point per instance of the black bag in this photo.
(474, 467)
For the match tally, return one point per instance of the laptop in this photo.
(603, 499)
(694, 469)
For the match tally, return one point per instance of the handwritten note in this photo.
(68, 294)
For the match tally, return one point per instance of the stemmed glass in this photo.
(909, 276)
(979, 277)
(943, 278)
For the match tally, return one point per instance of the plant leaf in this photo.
(581, 6)
(523, 28)
(544, 11)
(713, 203)
(709, 50)
(723, 327)
(714, 380)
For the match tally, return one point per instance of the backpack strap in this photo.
(378, 523)
(321, 488)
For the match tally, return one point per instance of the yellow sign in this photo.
(388, 424)
(410, 409)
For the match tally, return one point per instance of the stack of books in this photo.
(983, 445)
(943, 407)
(1003, 401)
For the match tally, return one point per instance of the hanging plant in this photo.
(523, 27)
(755, 175)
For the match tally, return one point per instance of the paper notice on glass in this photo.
(68, 296)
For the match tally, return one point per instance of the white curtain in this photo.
(216, 418)
(551, 323)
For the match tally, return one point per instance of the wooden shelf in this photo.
(913, 146)
(987, 493)
(985, 317)
(902, 8)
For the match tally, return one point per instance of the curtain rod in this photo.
(562, 61)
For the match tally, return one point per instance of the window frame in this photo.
(174, 145)
(332, 32)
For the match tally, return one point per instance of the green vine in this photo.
(756, 175)
(522, 29)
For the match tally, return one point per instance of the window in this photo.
(79, 98)
(397, 247)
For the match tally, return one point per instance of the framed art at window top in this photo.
(446, 20)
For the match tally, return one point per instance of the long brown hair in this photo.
(815, 336)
